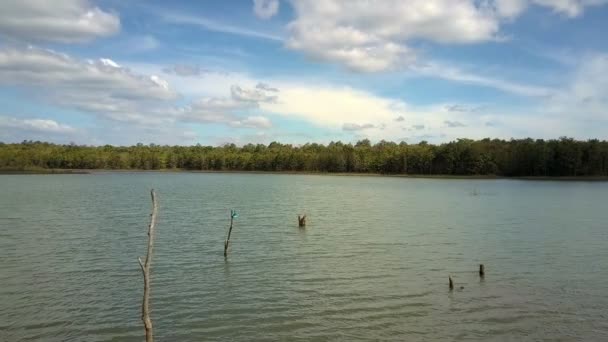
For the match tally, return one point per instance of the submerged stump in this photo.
(302, 221)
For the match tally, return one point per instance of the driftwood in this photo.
(145, 269)
(227, 242)
(302, 221)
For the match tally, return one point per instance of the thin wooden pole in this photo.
(451, 283)
(145, 269)
(482, 271)
(229, 232)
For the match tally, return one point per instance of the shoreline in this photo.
(340, 174)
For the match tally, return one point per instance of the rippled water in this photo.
(372, 264)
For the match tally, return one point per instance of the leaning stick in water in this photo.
(451, 283)
(482, 271)
(227, 242)
(145, 269)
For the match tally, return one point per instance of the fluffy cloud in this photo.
(116, 93)
(101, 86)
(252, 95)
(184, 70)
(63, 21)
(463, 108)
(454, 124)
(330, 106)
(35, 125)
(570, 8)
(253, 122)
(371, 36)
(376, 35)
(265, 9)
(356, 127)
(229, 110)
(17, 129)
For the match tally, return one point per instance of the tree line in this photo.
(515, 157)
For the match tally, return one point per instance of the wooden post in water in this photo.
(482, 271)
(145, 269)
(233, 214)
(302, 221)
(451, 283)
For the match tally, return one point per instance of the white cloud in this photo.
(63, 21)
(372, 36)
(230, 110)
(185, 70)
(376, 35)
(13, 129)
(108, 62)
(453, 124)
(349, 126)
(265, 9)
(253, 122)
(116, 93)
(329, 106)
(102, 86)
(571, 8)
(35, 125)
(510, 8)
(259, 94)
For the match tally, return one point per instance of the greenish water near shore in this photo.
(354, 174)
(372, 263)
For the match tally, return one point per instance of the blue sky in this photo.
(215, 72)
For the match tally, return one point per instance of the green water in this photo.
(372, 264)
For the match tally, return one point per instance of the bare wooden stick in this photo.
(302, 220)
(145, 269)
(227, 242)
(451, 283)
(482, 271)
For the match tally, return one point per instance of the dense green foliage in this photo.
(526, 157)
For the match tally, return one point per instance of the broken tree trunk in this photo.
(145, 269)
(302, 221)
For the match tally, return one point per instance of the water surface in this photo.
(372, 264)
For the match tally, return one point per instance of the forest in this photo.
(563, 157)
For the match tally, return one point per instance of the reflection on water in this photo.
(372, 263)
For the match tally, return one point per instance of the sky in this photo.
(296, 71)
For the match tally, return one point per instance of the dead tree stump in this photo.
(302, 221)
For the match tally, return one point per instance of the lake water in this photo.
(372, 264)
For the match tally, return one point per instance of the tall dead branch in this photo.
(145, 269)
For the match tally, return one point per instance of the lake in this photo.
(372, 264)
